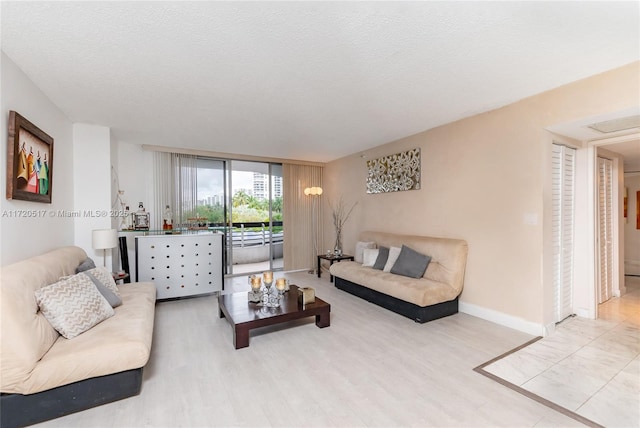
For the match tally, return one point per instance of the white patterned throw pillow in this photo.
(73, 305)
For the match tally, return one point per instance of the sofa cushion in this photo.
(369, 257)
(360, 246)
(73, 305)
(394, 252)
(26, 334)
(113, 299)
(381, 260)
(85, 265)
(411, 263)
(421, 292)
(448, 256)
(122, 342)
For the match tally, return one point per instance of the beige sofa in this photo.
(433, 296)
(44, 375)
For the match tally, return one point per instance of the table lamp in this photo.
(104, 239)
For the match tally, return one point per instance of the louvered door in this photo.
(563, 186)
(605, 229)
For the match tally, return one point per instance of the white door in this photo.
(605, 229)
(563, 189)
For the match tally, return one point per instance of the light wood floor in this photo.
(370, 368)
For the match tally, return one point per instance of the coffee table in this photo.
(244, 315)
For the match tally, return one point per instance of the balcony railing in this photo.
(248, 234)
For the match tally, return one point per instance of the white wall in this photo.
(27, 237)
(92, 185)
(133, 168)
(631, 232)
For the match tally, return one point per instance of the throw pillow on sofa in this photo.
(394, 252)
(73, 305)
(113, 299)
(85, 265)
(381, 260)
(103, 275)
(360, 247)
(369, 257)
(411, 263)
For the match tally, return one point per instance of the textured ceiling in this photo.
(305, 80)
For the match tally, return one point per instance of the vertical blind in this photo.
(175, 184)
(302, 216)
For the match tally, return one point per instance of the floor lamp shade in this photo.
(104, 239)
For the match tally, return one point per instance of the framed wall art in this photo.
(29, 161)
(394, 173)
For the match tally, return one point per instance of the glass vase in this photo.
(337, 248)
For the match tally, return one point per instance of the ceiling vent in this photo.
(616, 125)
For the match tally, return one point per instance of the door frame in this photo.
(590, 287)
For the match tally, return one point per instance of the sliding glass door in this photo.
(254, 232)
(244, 200)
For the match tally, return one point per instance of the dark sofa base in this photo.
(21, 410)
(417, 313)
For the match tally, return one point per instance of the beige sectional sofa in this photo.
(432, 296)
(44, 375)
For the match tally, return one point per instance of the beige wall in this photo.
(484, 179)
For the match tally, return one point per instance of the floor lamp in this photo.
(104, 239)
(315, 193)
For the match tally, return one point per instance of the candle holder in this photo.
(266, 297)
(282, 283)
(255, 295)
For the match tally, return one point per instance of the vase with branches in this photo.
(340, 212)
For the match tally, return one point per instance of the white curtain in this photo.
(175, 184)
(302, 216)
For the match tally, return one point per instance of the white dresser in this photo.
(181, 265)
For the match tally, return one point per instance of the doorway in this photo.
(243, 199)
(254, 227)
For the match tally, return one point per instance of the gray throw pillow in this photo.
(85, 265)
(113, 299)
(410, 263)
(383, 255)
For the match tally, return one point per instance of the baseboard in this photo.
(501, 318)
(632, 267)
(584, 313)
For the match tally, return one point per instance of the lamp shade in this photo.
(313, 191)
(103, 239)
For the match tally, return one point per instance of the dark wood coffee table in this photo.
(244, 315)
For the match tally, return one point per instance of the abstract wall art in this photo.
(394, 173)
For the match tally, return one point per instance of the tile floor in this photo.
(590, 367)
